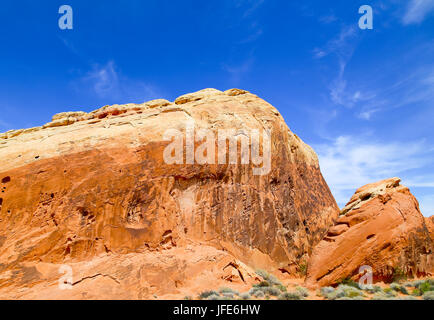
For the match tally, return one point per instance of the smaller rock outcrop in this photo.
(381, 227)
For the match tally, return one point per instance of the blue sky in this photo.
(364, 99)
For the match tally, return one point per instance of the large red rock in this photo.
(381, 227)
(92, 189)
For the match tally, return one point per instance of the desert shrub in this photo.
(262, 284)
(428, 295)
(390, 292)
(381, 296)
(416, 292)
(374, 289)
(187, 298)
(228, 295)
(213, 297)
(350, 291)
(281, 288)
(268, 277)
(398, 288)
(425, 287)
(350, 282)
(414, 283)
(344, 291)
(228, 290)
(303, 291)
(245, 296)
(256, 292)
(271, 291)
(207, 294)
(290, 296)
(302, 269)
(326, 290)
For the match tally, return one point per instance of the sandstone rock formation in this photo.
(430, 224)
(380, 227)
(92, 190)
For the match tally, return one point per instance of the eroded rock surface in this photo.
(381, 227)
(93, 189)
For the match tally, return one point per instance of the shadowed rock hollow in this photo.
(92, 190)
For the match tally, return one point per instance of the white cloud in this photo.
(417, 11)
(339, 45)
(342, 46)
(108, 83)
(349, 162)
(426, 204)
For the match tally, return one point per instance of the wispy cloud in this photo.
(328, 18)
(350, 162)
(417, 11)
(249, 6)
(415, 89)
(342, 47)
(107, 82)
(427, 205)
(238, 71)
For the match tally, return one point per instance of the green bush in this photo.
(416, 292)
(281, 288)
(398, 288)
(302, 269)
(425, 287)
(290, 296)
(350, 282)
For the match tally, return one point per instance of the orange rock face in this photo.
(430, 224)
(94, 191)
(380, 227)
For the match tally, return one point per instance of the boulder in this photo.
(380, 227)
